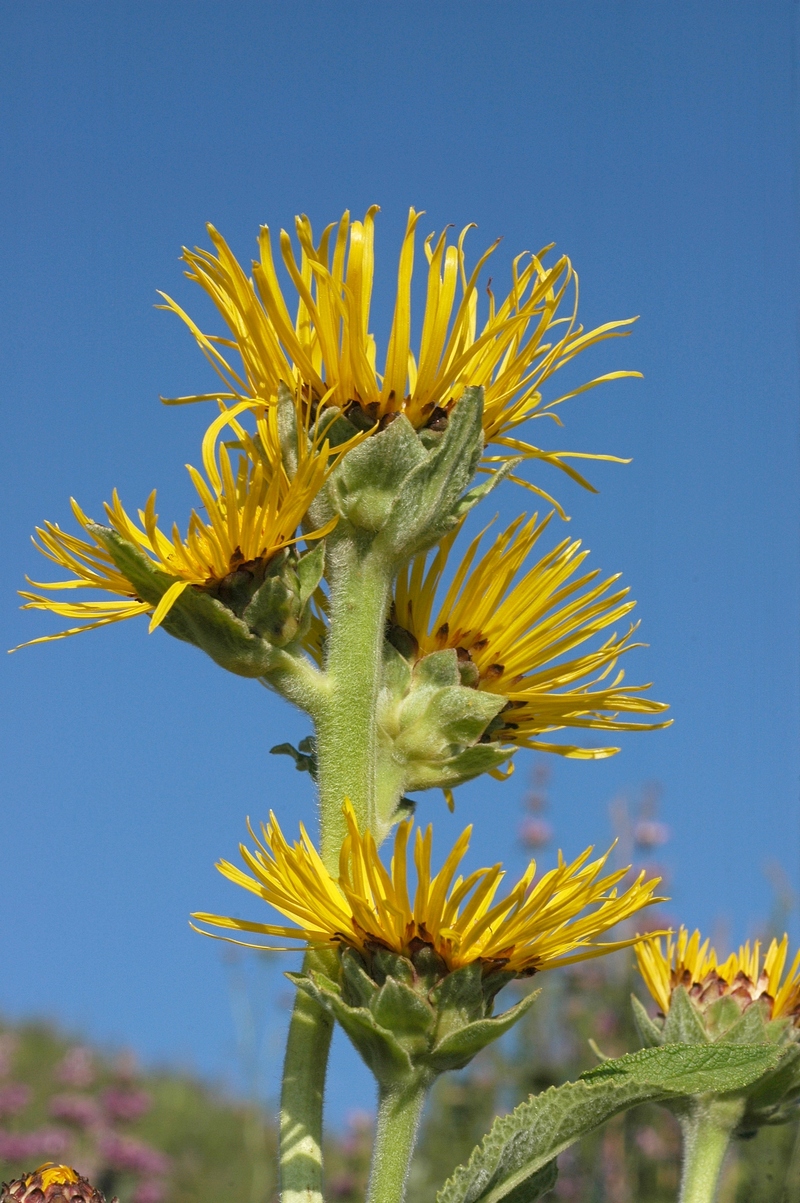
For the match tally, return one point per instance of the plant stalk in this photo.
(346, 723)
(707, 1129)
(399, 1114)
(302, 1093)
(344, 716)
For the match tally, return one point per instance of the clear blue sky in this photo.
(656, 144)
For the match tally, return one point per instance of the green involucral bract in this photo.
(772, 1098)
(243, 619)
(430, 724)
(409, 1017)
(402, 488)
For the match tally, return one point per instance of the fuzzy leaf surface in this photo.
(518, 1146)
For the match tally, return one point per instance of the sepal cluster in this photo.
(401, 488)
(410, 1017)
(431, 724)
(239, 621)
(774, 1097)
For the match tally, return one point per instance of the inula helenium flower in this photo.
(249, 512)
(51, 1182)
(744, 977)
(518, 640)
(535, 926)
(328, 356)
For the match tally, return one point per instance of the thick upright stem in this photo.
(346, 723)
(707, 1129)
(343, 709)
(302, 1094)
(398, 1120)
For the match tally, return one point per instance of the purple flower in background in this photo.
(126, 1067)
(78, 1109)
(150, 1191)
(44, 1142)
(126, 1105)
(134, 1156)
(77, 1068)
(535, 833)
(649, 833)
(13, 1098)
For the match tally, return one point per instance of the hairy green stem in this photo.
(302, 1093)
(707, 1129)
(399, 1114)
(343, 705)
(346, 723)
(297, 680)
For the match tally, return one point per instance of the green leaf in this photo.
(541, 1182)
(274, 612)
(358, 987)
(430, 502)
(687, 1069)
(196, 617)
(398, 1008)
(366, 486)
(775, 1099)
(459, 1047)
(724, 1014)
(749, 1027)
(304, 755)
(459, 998)
(396, 672)
(455, 770)
(683, 1024)
(287, 430)
(439, 669)
(309, 569)
(386, 963)
(519, 1145)
(378, 1047)
(651, 1034)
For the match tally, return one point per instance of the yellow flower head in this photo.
(50, 1174)
(743, 977)
(251, 511)
(537, 925)
(519, 640)
(328, 356)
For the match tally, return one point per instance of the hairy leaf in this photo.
(520, 1145)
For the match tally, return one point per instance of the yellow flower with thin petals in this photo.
(328, 356)
(537, 925)
(519, 639)
(249, 514)
(48, 1174)
(744, 977)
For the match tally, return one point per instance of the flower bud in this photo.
(430, 724)
(51, 1184)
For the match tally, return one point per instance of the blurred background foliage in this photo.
(165, 1136)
